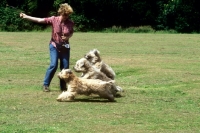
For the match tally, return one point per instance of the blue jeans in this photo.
(64, 64)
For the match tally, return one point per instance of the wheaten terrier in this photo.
(94, 58)
(83, 86)
(90, 72)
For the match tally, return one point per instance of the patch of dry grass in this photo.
(159, 73)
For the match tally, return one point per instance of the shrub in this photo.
(140, 29)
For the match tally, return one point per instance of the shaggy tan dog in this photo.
(83, 86)
(93, 56)
(90, 72)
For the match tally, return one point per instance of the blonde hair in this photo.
(65, 9)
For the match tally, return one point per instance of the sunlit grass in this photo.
(159, 73)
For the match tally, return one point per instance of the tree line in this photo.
(182, 16)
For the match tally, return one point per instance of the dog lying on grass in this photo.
(83, 86)
(90, 72)
(93, 56)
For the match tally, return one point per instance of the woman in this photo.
(62, 30)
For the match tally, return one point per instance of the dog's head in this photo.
(82, 65)
(66, 74)
(93, 56)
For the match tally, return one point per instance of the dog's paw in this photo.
(119, 89)
(58, 99)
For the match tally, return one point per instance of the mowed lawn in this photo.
(160, 75)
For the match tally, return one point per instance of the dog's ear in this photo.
(69, 71)
(96, 52)
(82, 63)
(87, 56)
(86, 64)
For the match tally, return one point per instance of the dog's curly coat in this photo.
(90, 72)
(83, 86)
(93, 56)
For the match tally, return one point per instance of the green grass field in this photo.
(160, 74)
